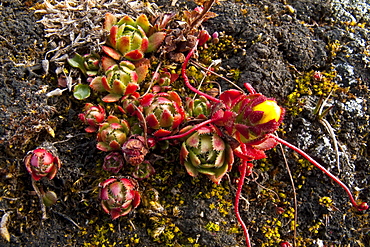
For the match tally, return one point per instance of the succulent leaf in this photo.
(143, 22)
(109, 21)
(81, 91)
(111, 52)
(155, 40)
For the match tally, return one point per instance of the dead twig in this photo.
(294, 196)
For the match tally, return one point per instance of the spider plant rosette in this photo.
(129, 39)
(163, 112)
(207, 153)
(112, 134)
(42, 163)
(119, 196)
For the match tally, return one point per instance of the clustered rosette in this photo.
(206, 152)
(199, 108)
(119, 196)
(163, 112)
(134, 150)
(143, 170)
(112, 134)
(93, 116)
(119, 80)
(42, 163)
(128, 38)
(89, 64)
(113, 162)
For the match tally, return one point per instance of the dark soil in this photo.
(275, 47)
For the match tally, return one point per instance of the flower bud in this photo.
(49, 198)
(270, 109)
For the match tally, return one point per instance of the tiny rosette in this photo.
(163, 112)
(93, 116)
(119, 196)
(42, 163)
(128, 38)
(112, 134)
(113, 162)
(207, 153)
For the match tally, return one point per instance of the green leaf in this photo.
(81, 91)
(78, 62)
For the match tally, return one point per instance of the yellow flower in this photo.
(271, 111)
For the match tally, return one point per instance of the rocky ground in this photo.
(277, 46)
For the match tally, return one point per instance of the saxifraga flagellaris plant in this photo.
(234, 124)
(43, 162)
(251, 120)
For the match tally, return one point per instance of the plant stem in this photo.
(186, 79)
(243, 170)
(189, 131)
(43, 208)
(360, 207)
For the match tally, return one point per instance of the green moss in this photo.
(212, 227)
(315, 228)
(306, 85)
(271, 232)
(101, 236)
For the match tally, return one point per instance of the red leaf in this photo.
(134, 55)
(111, 52)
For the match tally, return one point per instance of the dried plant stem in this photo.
(152, 81)
(216, 74)
(319, 111)
(360, 207)
(68, 218)
(42, 205)
(207, 6)
(4, 226)
(294, 197)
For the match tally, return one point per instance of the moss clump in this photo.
(212, 227)
(271, 232)
(101, 236)
(307, 84)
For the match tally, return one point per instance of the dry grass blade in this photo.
(4, 226)
(294, 196)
